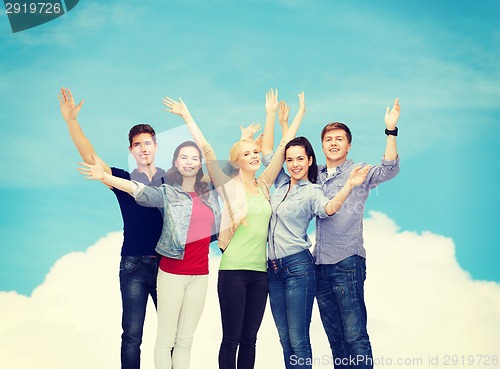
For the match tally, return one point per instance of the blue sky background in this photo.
(351, 59)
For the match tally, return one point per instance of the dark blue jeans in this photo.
(137, 282)
(242, 299)
(292, 287)
(340, 296)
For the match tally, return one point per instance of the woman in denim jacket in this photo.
(242, 285)
(292, 285)
(191, 219)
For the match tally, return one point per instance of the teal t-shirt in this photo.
(247, 249)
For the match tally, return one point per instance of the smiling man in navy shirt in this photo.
(339, 252)
(141, 226)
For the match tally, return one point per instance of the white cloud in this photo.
(420, 304)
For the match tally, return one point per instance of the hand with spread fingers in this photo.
(95, 172)
(271, 101)
(69, 109)
(358, 175)
(248, 132)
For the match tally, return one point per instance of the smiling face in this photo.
(336, 147)
(143, 149)
(297, 163)
(188, 161)
(248, 158)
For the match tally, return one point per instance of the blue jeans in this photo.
(137, 282)
(340, 296)
(242, 299)
(292, 287)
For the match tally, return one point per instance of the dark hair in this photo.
(141, 128)
(173, 176)
(312, 173)
(336, 125)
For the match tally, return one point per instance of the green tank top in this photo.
(247, 249)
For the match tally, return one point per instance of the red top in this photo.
(195, 260)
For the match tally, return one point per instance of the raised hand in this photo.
(271, 101)
(358, 175)
(95, 172)
(392, 115)
(174, 107)
(69, 109)
(283, 113)
(302, 102)
(258, 142)
(247, 133)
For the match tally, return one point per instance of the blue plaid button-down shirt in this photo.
(341, 235)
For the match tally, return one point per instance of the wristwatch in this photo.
(393, 132)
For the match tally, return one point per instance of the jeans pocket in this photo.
(129, 264)
(299, 269)
(347, 265)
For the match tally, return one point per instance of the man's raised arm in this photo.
(69, 111)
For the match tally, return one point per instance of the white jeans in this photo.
(181, 299)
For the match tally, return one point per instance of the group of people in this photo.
(170, 218)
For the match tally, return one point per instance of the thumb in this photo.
(180, 100)
(81, 104)
(387, 110)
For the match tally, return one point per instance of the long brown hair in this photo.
(173, 176)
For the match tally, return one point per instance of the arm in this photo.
(283, 113)
(271, 108)
(97, 172)
(391, 119)
(357, 176)
(271, 172)
(247, 133)
(214, 170)
(69, 111)
(144, 195)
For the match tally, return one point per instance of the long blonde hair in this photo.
(238, 208)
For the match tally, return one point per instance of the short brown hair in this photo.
(336, 125)
(141, 128)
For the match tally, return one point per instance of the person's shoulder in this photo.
(162, 172)
(118, 172)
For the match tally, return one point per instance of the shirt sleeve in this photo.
(387, 170)
(149, 195)
(318, 202)
(268, 176)
(266, 159)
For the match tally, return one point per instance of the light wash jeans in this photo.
(181, 299)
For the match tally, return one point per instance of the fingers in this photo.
(168, 101)
(86, 164)
(256, 126)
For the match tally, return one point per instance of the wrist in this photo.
(391, 132)
(349, 185)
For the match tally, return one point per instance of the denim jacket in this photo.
(176, 206)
